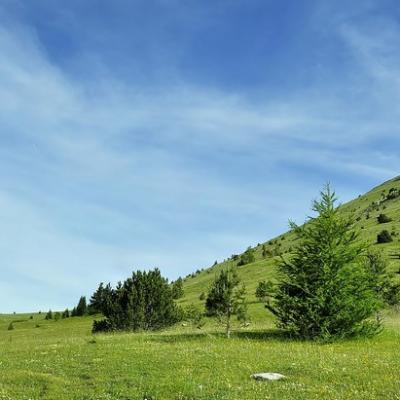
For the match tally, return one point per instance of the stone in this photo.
(268, 376)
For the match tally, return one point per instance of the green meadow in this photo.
(61, 359)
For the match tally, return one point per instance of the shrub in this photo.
(383, 219)
(10, 327)
(384, 237)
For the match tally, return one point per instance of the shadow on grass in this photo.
(261, 335)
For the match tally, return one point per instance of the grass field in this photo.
(62, 360)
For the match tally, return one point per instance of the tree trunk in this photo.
(228, 323)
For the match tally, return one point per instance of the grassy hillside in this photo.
(365, 210)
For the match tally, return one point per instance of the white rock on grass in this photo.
(268, 376)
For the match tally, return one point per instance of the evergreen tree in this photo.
(325, 290)
(81, 308)
(264, 289)
(99, 299)
(49, 315)
(177, 289)
(264, 251)
(225, 298)
(65, 314)
(144, 301)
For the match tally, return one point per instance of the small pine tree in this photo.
(225, 298)
(65, 314)
(325, 291)
(264, 289)
(100, 299)
(49, 315)
(177, 289)
(264, 251)
(81, 308)
(10, 326)
(57, 316)
(384, 237)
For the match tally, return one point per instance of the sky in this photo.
(173, 133)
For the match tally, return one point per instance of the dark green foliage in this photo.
(247, 257)
(384, 237)
(10, 326)
(177, 289)
(81, 308)
(226, 298)
(383, 219)
(387, 290)
(393, 194)
(202, 296)
(325, 290)
(264, 290)
(57, 316)
(144, 301)
(98, 300)
(73, 312)
(49, 315)
(65, 314)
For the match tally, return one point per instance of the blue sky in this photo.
(171, 133)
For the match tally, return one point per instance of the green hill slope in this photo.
(383, 199)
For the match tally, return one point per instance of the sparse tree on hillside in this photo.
(177, 289)
(247, 257)
(386, 288)
(226, 298)
(264, 289)
(383, 219)
(384, 237)
(325, 290)
(65, 314)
